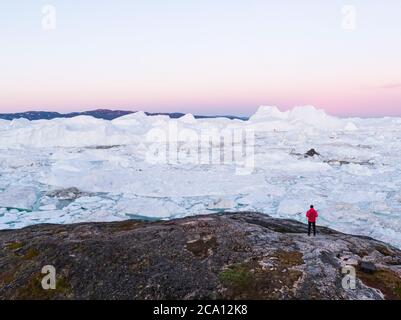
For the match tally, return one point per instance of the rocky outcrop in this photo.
(68, 194)
(312, 153)
(230, 256)
(333, 162)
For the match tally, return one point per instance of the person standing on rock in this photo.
(312, 215)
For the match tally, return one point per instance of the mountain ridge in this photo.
(106, 114)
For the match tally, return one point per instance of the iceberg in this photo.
(85, 169)
(20, 198)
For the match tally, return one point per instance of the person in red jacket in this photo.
(312, 215)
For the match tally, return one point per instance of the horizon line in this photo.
(193, 113)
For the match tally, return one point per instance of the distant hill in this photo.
(99, 113)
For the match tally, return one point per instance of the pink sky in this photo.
(204, 58)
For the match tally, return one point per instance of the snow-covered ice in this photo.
(355, 182)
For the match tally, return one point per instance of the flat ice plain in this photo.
(86, 169)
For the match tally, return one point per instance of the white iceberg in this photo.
(354, 183)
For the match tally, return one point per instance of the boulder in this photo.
(312, 153)
(367, 267)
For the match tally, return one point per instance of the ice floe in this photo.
(87, 169)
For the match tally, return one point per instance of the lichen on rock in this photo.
(220, 256)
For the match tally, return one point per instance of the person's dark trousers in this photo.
(312, 224)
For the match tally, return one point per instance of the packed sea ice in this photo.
(137, 166)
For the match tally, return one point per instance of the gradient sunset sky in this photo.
(203, 57)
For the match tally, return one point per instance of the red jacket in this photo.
(312, 215)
